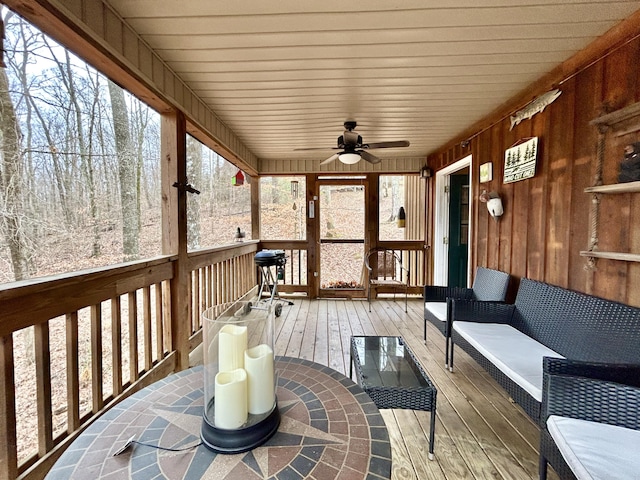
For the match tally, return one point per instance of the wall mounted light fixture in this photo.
(494, 203)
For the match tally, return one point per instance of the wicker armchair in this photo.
(488, 285)
(596, 392)
(384, 269)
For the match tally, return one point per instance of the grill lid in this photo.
(269, 257)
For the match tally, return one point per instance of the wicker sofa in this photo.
(510, 341)
(488, 285)
(590, 420)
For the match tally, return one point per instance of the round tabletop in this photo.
(330, 428)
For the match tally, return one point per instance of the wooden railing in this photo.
(295, 271)
(219, 276)
(412, 254)
(73, 345)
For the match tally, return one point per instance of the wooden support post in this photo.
(313, 237)
(174, 229)
(255, 208)
(371, 202)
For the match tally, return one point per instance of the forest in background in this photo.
(80, 167)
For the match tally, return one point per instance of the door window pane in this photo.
(341, 265)
(342, 211)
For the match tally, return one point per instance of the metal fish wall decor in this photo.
(536, 106)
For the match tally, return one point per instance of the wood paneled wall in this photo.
(298, 166)
(546, 219)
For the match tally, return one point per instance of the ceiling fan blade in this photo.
(369, 157)
(330, 159)
(396, 144)
(316, 148)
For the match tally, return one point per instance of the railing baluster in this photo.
(237, 276)
(146, 312)
(229, 277)
(96, 358)
(116, 345)
(226, 277)
(73, 374)
(159, 330)
(218, 270)
(43, 387)
(8, 447)
(208, 286)
(195, 299)
(133, 336)
(166, 316)
(203, 295)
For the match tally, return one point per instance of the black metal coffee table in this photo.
(388, 371)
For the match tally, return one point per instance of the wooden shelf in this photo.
(630, 187)
(623, 121)
(625, 257)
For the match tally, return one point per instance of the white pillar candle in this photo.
(230, 406)
(258, 362)
(232, 343)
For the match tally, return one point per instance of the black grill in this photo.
(270, 258)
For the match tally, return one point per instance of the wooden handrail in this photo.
(49, 297)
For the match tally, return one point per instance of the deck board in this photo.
(480, 432)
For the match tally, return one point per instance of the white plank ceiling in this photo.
(286, 74)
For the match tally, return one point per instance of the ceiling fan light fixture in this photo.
(349, 158)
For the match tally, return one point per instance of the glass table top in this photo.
(386, 362)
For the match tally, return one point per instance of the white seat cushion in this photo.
(438, 309)
(596, 450)
(517, 355)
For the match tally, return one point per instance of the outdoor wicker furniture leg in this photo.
(447, 341)
(543, 468)
(425, 331)
(432, 432)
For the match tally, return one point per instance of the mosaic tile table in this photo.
(330, 429)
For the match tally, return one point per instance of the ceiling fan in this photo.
(353, 149)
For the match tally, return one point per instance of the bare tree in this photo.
(194, 174)
(11, 174)
(127, 170)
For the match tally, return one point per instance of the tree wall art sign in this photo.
(520, 160)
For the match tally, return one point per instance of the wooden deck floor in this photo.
(480, 433)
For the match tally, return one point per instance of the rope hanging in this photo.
(595, 200)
